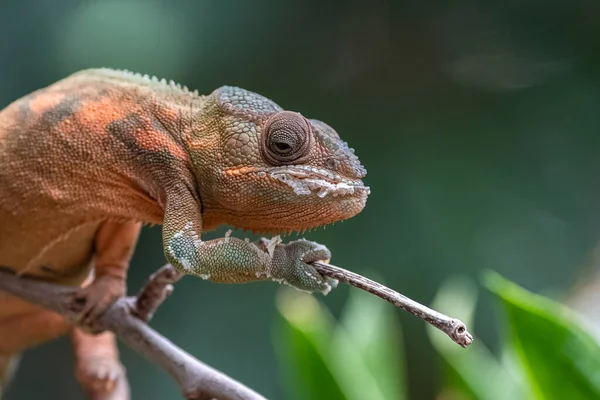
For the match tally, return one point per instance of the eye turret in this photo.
(286, 138)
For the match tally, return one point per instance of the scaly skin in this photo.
(88, 160)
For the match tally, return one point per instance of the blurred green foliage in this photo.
(477, 122)
(547, 353)
(356, 358)
(561, 359)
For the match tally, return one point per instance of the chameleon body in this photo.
(86, 161)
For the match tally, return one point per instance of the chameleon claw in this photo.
(100, 375)
(92, 301)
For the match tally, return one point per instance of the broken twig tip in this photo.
(460, 334)
(454, 328)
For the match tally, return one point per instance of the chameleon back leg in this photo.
(98, 368)
(22, 331)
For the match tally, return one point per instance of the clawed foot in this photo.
(93, 300)
(291, 265)
(100, 375)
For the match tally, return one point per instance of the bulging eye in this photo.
(282, 147)
(286, 138)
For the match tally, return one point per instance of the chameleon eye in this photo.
(286, 138)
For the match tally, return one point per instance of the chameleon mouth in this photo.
(305, 180)
(275, 217)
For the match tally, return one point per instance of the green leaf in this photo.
(560, 357)
(369, 328)
(475, 371)
(302, 337)
(357, 359)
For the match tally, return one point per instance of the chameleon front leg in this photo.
(232, 260)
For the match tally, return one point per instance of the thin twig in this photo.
(452, 327)
(155, 291)
(196, 379)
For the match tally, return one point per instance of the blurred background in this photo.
(477, 122)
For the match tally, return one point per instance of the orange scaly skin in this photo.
(88, 160)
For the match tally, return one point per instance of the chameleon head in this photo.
(277, 170)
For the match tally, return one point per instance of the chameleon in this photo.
(89, 160)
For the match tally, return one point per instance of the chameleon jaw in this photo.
(305, 180)
(279, 212)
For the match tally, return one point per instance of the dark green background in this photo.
(477, 121)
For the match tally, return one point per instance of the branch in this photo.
(452, 327)
(196, 379)
(155, 291)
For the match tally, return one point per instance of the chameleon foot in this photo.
(100, 376)
(98, 370)
(93, 300)
(291, 265)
